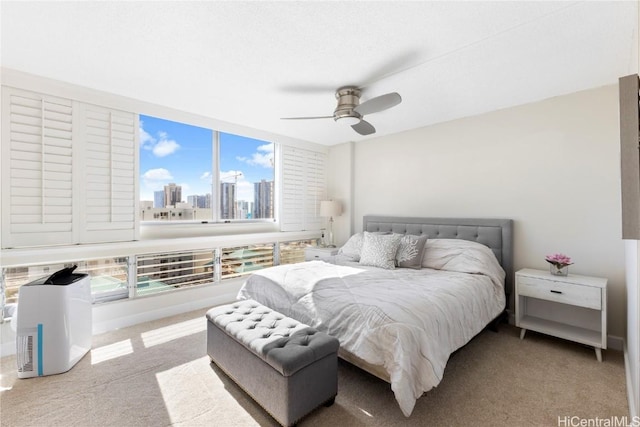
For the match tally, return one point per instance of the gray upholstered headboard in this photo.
(496, 233)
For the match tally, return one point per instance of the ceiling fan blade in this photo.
(364, 128)
(306, 118)
(379, 103)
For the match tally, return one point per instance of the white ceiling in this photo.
(251, 63)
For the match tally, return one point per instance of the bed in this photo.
(401, 322)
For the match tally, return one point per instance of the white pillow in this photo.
(457, 255)
(379, 250)
(353, 247)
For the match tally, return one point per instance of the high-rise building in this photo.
(243, 209)
(263, 199)
(158, 199)
(227, 200)
(199, 201)
(172, 194)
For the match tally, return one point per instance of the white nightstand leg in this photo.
(522, 332)
(599, 354)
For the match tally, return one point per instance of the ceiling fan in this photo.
(349, 110)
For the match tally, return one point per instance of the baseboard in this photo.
(147, 316)
(118, 315)
(615, 343)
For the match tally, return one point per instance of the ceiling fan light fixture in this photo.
(350, 112)
(348, 120)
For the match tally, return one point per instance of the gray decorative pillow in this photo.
(353, 247)
(379, 250)
(410, 251)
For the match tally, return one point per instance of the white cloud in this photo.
(164, 147)
(206, 176)
(266, 147)
(159, 174)
(161, 146)
(264, 157)
(146, 140)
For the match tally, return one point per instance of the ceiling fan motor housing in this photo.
(348, 98)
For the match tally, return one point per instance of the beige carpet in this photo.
(158, 374)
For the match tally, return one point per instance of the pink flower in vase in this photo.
(559, 260)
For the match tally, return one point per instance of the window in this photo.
(175, 171)
(242, 260)
(246, 178)
(146, 274)
(109, 277)
(293, 252)
(180, 179)
(167, 271)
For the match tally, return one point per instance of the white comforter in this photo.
(408, 321)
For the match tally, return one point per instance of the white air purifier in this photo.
(54, 323)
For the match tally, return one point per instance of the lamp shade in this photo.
(330, 208)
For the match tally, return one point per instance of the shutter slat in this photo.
(46, 233)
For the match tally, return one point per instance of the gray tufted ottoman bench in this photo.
(286, 366)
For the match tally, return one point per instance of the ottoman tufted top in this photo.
(284, 343)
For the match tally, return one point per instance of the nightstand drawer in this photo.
(566, 293)
(315, 253)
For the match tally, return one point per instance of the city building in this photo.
(263, 199)
(172, 195)
(158, 199)
(227, 200)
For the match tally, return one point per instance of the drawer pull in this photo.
(556, 292)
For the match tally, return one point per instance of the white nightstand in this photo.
(318, 253)
(571, 307)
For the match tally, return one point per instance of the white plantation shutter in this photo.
(303, 187)
(292, 217)
(110, 182)
(316, 189)
(69, 171)
(37, 167)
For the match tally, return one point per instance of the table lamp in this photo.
(330, 208)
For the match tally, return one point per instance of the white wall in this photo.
(632, 356)
(340, 188)
(552, 166)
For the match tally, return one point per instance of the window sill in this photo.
(166, 230)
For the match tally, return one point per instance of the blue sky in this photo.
(180, 153)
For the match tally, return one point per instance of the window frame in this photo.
(216, 214)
